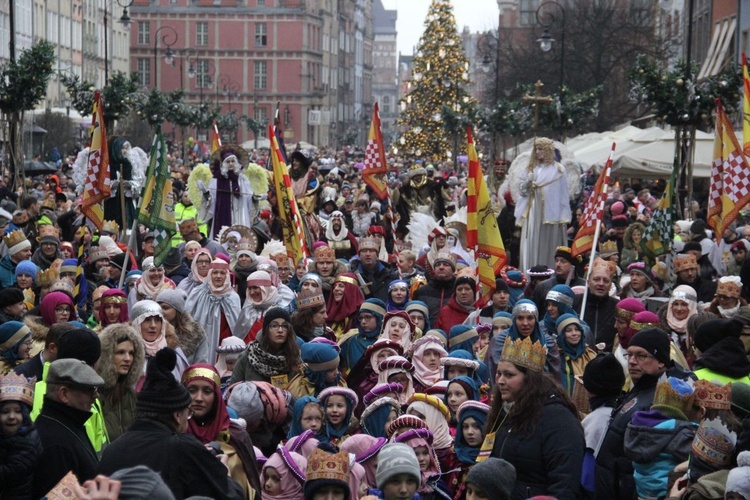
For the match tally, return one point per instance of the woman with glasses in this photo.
(274, 356)
(15, 345)
(56, 307)
(148, 286)
(198, 271)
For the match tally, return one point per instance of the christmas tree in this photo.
(436, 107)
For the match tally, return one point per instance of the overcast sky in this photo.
(479, 15)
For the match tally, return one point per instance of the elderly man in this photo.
(339, 238)
(439, 289)
(157, 439)
(71, 390)
(190, 232)
(600, 307)
(19, 248)
(565, 274)
(373, 275)
(648, 358)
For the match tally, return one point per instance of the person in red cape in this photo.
(343, 303)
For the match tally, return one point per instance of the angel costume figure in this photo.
(420, 194)
(543, 208)
(127, 172)
(228, 197)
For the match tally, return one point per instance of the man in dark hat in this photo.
(500, 302)
(157, 439)
(114, 271)
(12, 306)
(71, 391)
(174, 268)
(565, 274)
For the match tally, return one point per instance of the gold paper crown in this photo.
(110, 226)
(682, 262)
(44, 279)
(670, 402)
(17, 388)
(47, 230)
(710, 395)
(63, 285)
(324, 254)
(322, 465)
(14, 238)
(525, 353)
(309, 299)
(714, 443)
(728, 288)
(608, 247)
(604, 266)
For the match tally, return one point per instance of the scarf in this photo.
(465, 453)
(267, 364)
(729, 313)
(148, 291)
(217, 419)
(425, 376)
(221, 290)
(349, 304)
(686, 294)
(343, 232)
(648, 292)
(194, 266)
(291, 486)
(436, 422)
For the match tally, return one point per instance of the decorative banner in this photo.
(660, 232)
(215, 138)
(745, 107)
(156, 211)
(375, 166)
(594, 211)
(97, 187)
(482, 233)
(294, 237)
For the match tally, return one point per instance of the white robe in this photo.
(543, 212)
(206, 309)
(243, 209)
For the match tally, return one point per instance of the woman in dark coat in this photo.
(540, 435)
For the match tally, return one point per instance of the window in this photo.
(261, 3)
(260, 75)
(528, 12)
(204, 79)
(261, 38)
(201, 34)
(144, 71)
(261, 116)
(386, 104)
(144, 28)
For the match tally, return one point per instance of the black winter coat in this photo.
(540, 291)
(66, 446)
(549, 460)
(378, 281)
(19, 455)
(706, 289)
(184, 464)
(600, 316)
(436, 294)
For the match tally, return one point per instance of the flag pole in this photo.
(127, 251)
(597, 231)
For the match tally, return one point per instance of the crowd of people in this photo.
(372, 369)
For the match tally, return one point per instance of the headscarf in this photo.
(562, 296)
(50, 302)
(349, 304)
(16, 332)
(351, 400)
(397, 364)
(304, 443)
(469, 384)
(194, 266)
(462, 358)
(423, 375)
(230, 347)
(268, 292)
(422, 437)
(299, 407)
(420, 307)
(392, 306)
(569, 351)
(379, 345)
(117, 297)
(291, 484)
(537, 335)
(216, 423)
(226, 287)
(148, 290)
(109, 245)
(686, 294)
(365, 447)
(434, 411)
(148, 309)
(343, 231)
(354, 348)
(376, 415)
(478, 411)
(405, 340)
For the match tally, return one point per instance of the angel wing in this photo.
(258, 177)
(573, 170)
(201, 172)
(273, 247)
(79, 170)
(516, 174)
(139, 161)
(420, 225)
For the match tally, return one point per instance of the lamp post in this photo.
(204, 77)
(487, 45)
(546, 19)
(125, 19)
(171, 34)
(186, 54)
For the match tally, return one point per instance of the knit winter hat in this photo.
(243, 398)
(82, 344)
(319, 357)
(714, 330)
(655, 341)
(26, 267)
(275, 313)
(10, 297)
(501, 286)
(141, 482)
(395, 459)
(603, 376)
(738, 480)
(494, 477)
(161, 393)
(174, 298)
(327, 469)
(465, 280)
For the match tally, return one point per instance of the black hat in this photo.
(10, 297)
(692, 245)
(161, 393)
(653, 340)
(276, 313)
(698, 227)
(619, 221)
(303, 156)
(603, 376)
(117, 260)
(82, 344)
(501, 285)
(712, 331)
(173, 258)
(465, 280)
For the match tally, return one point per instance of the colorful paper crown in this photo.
(604, 266)
(324, 254)
(710, 395)
(714, 443)
(683, 262)
(17, 388)
(369, 244)
(111, 227)
(731, 286)
(62, 285)
(523, 352)
(607, 248)
(674, 398)
(16, 241)
(97, 253)
(47, 230)
(308, 299)
(322, 465)
(44, 279)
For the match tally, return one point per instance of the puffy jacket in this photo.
(436, 294)
(600, 316)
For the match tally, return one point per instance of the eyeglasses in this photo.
(88, 390)
(278, 326)
(638, 357)
(204, 262)
(62, 309)
(366, 317)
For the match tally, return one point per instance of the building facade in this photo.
(385, 82)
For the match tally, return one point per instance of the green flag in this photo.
(156, 211)
(660, 232)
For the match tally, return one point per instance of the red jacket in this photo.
(451, 314)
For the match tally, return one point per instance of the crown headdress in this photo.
(110, 226)
(523, 352)
(44, 279)
(674, 398)
(714, 443)
(308, 300)
(607, 247)
(16, 241)
(17, 388)
(710, 395)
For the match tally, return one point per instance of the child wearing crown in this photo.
(20, 447)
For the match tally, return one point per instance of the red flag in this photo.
(375, 166)
(215, 138)
(97, 187)
(584, 240)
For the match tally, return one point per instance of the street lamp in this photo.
(168, 54)
(125, 19)
(546, 19)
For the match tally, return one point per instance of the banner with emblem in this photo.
(593, 212)
(374, 173)
(658, 238)
(482, 231)
(215, 138)
(156, 211)
(97, 187)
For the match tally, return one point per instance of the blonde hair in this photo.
(548, 157)
(408, 255)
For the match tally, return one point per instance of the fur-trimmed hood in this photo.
(110, 337)
(192, 337)
(627, 238)
(38, 328)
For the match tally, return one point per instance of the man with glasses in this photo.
(71, 391)
(157, 439)
(648, 359)
(190, 232)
